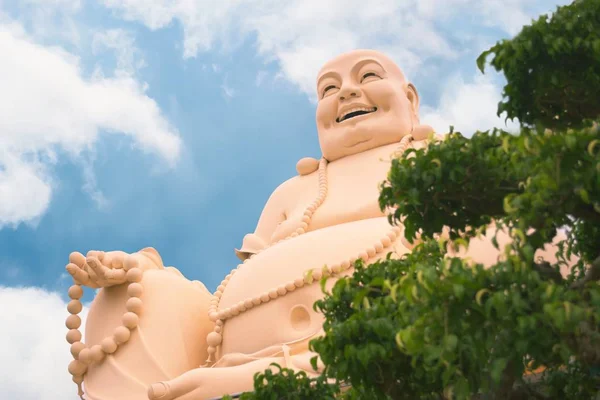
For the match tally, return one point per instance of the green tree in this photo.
(432, 326)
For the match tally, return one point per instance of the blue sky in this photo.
(134, 123)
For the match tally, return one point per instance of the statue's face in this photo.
(364, 102)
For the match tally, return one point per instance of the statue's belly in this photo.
(291, 317)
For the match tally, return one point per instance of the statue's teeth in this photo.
(356, 109)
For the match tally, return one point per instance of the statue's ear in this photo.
(413, 97)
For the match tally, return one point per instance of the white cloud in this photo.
(47, 105)
(128, 56)
(468, 106)
(301, 35)
(35, 353)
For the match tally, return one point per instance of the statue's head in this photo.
(364, 102)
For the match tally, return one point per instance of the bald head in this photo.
(364, 102)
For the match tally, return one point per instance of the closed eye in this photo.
(327, 89)
(368, 75)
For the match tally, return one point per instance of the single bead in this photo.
(256, 300)
(299, 282)
(74, 307)
(326, 271)
(397, 230)
(392, 235)
(96, 353)
(221, 288)
(363, 256)
(76, 348)
(345, 265)
(73, 336)
(213, 316)
(300, 231)
(78, 379)
(378, 248)
(214, 339)
(73, 321)
(76, 367)
(211, 350)
(218, 294)
(109, 345)
(248, 303)
(371, 252)
(122, 334)
(227, 313)
(311, 208)
(235, 310)
(386, 241)
(135, 289)
(273, 294)
(304, 226)
(214, 300)
(85, 356)
(218, 329)
(134, 275)
(219, 323)
(229, 275)
(265, 297)
(294, 234)
(75, 292)
(130, 320)
(222, 315)
(336, 268)
(317, 274)
(305, 220)
(281, 290)
(134, 304)
(290, 286)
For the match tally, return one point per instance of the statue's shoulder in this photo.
(306, 168)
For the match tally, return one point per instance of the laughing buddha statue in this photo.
(153, 334)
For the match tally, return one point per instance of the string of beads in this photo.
(83, 355)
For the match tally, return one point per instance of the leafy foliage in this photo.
(552, 68)
(286, 384)
(432, 325)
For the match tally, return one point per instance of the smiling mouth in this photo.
(355, 113)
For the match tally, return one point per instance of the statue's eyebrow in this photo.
(360, 64)
(328, 74)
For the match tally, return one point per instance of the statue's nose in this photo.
(348, 91)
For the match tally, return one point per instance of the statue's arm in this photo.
(272, 215)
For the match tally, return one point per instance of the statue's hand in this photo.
(104, 269)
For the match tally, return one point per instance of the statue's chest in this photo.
(352, 193)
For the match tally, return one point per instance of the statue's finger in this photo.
(170, 390)
(130, 261)
(96, 253)
(96, 268)
(117, 259)
(79, 275)
(77, 258)
(115, 276)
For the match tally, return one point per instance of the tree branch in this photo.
(592, 274)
